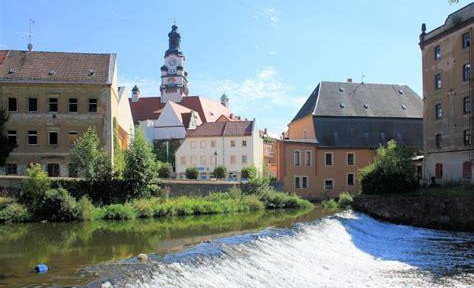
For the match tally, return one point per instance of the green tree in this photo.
(5, 146)
(34, 186)
(391, 172)
(165, 170)
(119, 154)
(220, 172)
(192, 173)
(248, 172)
(140, 166)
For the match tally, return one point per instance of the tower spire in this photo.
(30, 44)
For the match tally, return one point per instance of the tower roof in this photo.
(174, 40)
(135, 88)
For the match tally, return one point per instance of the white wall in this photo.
(124, 115)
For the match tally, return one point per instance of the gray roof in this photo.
(349, 99)
(367, 132)
(461, 15)
(227, 128)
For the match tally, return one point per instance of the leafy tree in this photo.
(164, 153)
(392, 171)
(140, 166)
(5, 146)
(34, 186)
(119, 154)
(248, 172)
(192, 173)
(220, 172)
(165, 170)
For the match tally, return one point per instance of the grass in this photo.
(439, 191)
(343, 201)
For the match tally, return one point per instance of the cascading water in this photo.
(344, 250)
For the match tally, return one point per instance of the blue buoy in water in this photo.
(41, 268)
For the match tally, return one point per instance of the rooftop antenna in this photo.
(363, 76)
(30, 45)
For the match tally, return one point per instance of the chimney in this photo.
(265, 131)
(231, 116)
(225, 100)
(135, 94)
(349, 80)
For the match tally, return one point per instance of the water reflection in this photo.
(68, 247)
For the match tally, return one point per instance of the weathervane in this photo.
(30, 45)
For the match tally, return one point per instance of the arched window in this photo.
(466, 170)
(439, 171)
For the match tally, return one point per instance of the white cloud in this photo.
(271, 13)
(148, 86)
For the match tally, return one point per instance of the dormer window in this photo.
(11, 71)
(404, 107)
(341, 89)
(341, 105)
(91, 72)
(400, 91)
(366, 106)
(51, 72)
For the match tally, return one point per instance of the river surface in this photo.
(271, 249)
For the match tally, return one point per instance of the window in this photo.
(438, 140)
(192, 160)
(467, 104)
(297, 182)
(53, 138)
(72, 105)
(466, 72)
(53, 104)
(328, 184)
(12, 137)
(304, 182)
(439, 171)
(192, 144)
(467, 170)
(297, 158)
(203, 160)
(467, 137)
(182, 160)
(203, 144)
(308, 158)
(244, 159)
(92, 105)
(12, 104)
(244, 143)
(11, 169)
(437, 52)
(328, 159)
(232, 143)
(305, 134)
(466, 40)
(350, 159)
(72, 137)
(438, 81)
(232, 159)
(32, 137)
(53, 170)
(213, 144)
(350, 179)
(32, 104)
(438, 111)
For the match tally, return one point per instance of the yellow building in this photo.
(52, 99)
(337, 130)
(447, 89)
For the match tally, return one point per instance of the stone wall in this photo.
(437, 212)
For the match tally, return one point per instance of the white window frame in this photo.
(347, 178)
(333, 184)
(244, 157)
(28, 138)
(310, 158)
(49, 104)
(69, 106)
(347, 158)
(332, 159)
(299, 158)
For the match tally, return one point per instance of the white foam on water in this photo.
(346, 250)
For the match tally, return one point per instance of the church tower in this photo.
(174, 82)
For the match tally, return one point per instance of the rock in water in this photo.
(142, 257)
(107, 285)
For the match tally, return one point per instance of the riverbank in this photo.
(446, 208)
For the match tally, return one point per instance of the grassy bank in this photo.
(216, 203)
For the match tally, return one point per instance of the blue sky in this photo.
(267, 56)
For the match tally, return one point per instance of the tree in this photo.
(165, 170)
(140, 166)
(248, 172)
(392, 171)
(192, 173)
(5, 145)
(119, 154)
(220, 172)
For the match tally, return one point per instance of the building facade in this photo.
(447, 96)
(233, 144)
(336, 133)
(52, 99)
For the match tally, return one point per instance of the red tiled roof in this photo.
(208, 110)
(36, 66)
(230, 128)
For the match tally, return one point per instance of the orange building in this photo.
(337, 131)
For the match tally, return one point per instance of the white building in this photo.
(233, 144)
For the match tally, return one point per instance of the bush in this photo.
(118, 212)
(35, 186)
(14, 212)
(256, 185)
(330, 204)
(56, 205)
(192, 173)
(345, 200)
(249, 172)
(165, 171)
(220, 172)
(273, 200)
(85, 209)
(392, 172)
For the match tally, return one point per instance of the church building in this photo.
(170, 115)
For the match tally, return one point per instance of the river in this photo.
(271, 249)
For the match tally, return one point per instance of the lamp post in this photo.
(215, 162)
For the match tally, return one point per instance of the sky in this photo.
(267, 56)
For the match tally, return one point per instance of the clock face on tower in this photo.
(172, 62)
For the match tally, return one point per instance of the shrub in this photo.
(391, 173)
(34, 186)
(56, 205)
(330, 204)
(118, 212)
(273, 200)
(253, 203)
(256, 185)
(146, 208)
(192, 173)
(14, 212)
(345, 200)
(249, 172)
(85, 209)
(165, 171)
(220, 172)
